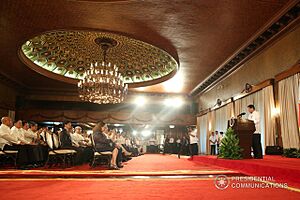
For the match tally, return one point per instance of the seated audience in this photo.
(6, 138)
(104, 143)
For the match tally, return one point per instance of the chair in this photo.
(100, 156)
(57, 155)
(10, 154)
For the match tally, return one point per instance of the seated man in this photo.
(18, 132)
(81, 144)
(65, 137)
(14, 140)
(29, 134)
(104, 143)
(33, 134)
(6, 138)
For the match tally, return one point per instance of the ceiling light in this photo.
(175, 84)
(146, 133)
(134, 132)
(171, 126)
(103, 83)
(175, 102)
(140, 101)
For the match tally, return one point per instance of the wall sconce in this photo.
(275, 112)
(248, 88)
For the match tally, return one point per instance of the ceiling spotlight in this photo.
(140, 101)
(134, 132)
(171, 126)
(146, 133)
(168, 102)
(175, 84)
(175, 102)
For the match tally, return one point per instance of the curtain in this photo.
(222, 115)
(269, 117)
(202, 120)
(288, 100)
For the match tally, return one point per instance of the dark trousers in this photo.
(120, 156)
(256, 146)
(27, 154)
(212, 149)
(194, 149)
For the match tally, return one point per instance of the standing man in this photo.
(217, 141)
(193, 141)
(256, 139)
(212, 142)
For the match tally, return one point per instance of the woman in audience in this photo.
(104, 143)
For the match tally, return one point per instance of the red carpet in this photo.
(133, 190)
(146, 187)
(144, 165)
(281, 168)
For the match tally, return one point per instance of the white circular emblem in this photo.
(221, 182)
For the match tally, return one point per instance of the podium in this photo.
(244, 130)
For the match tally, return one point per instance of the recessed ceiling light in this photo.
(140, 101)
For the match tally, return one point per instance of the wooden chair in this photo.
(57, 155)
(10, 155)
(99, 157)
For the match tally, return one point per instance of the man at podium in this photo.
(256, 139)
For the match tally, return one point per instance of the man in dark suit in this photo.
(65, 136)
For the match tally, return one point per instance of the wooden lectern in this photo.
(244, 130)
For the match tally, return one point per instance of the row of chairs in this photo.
(58, 155)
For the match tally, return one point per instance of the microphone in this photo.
(241, 114)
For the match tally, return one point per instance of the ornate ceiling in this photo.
(70, 54)
(202, 35)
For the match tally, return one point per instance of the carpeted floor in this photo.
(149, 164)
(91, 186)
(132, 190)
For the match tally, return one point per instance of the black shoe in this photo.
(24, 168)
(114, 167)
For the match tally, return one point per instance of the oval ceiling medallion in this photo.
(69, 54)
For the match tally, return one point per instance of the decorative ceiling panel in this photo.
(70, 54)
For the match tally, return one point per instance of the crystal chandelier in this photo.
(103, 83)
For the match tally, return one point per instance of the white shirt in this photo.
(29, 135)
(171, 140)
(212, 140)
(152, 141)
(220, 137)
(6, 137)
(193, 140)
(19, 134)
(128, 142)
(76, 138)
(255, 117)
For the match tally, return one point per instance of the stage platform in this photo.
(279, 167)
